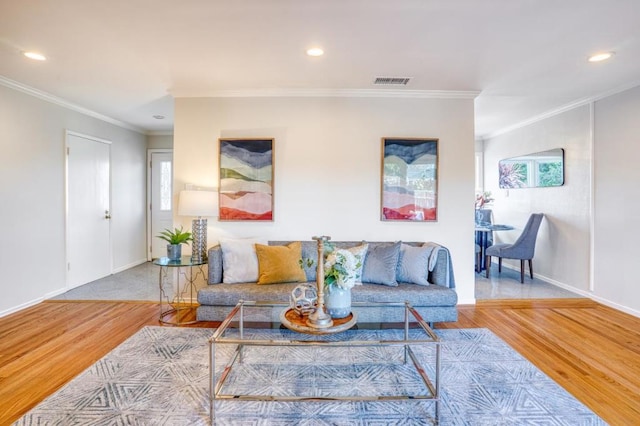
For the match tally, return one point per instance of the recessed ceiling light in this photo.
(35, 56)
(159, 117)
(315, 51)
(602, 56)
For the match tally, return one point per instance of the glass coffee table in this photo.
(266, 361)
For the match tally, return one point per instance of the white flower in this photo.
(340, 269)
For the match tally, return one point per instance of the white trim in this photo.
(83, 136)
(592, 201)
(584, 293)
(130, 265)
(160, 133)
(25, 305)
(151, 151)
(467, 302)
(355, 93)
(66, 104)
(479, 171)
(567, 107)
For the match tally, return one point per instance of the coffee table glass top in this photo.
(267, 315)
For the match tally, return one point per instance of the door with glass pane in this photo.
(160, 201)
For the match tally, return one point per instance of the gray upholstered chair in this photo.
(523, 248)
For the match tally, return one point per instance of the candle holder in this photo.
(320, 318)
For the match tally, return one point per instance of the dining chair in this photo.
(523, 248)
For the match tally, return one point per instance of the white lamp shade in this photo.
(198, 203)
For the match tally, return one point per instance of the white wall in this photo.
(160, 141)
(327, 166)
(32, 256)
(562, 247)
(586, 223)
(617, 199)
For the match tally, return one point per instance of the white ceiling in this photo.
(128, 59)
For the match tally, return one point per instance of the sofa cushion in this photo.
(239, 260)
(230, 294)
(413, 264)
(380, 264)
(280, 264)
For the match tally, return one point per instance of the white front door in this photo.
(161, 195)
(88, 209)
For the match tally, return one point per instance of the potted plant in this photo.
(175, 239)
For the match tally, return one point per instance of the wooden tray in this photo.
(295, 322)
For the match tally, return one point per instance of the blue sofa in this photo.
(435, 302)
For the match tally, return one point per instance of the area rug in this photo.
(159, 376)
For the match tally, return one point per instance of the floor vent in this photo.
(394, 81)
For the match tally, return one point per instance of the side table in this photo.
(173, 298)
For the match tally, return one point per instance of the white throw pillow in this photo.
(360, 252)
(239, 260)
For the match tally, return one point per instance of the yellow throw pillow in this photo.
(280, 264)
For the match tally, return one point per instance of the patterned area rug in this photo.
(159, 376)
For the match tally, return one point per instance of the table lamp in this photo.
(198, 203)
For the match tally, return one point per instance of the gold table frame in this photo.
(236, 319)
(177, 303)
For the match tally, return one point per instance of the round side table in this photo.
(177, 298)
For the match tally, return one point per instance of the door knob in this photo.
(107, 215)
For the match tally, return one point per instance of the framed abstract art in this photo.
(246, 179)
(409, 187)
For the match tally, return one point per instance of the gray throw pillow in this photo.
(413, 265)
(380, 264)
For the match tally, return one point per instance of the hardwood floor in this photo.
(589, 349)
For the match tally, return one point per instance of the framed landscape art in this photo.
(409, 187)
(246, 179)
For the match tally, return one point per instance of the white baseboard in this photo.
(467, 301)
(129, 266)
(21, 307)
(584, 293)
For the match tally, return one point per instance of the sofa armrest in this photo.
(215, 265)
(442, 273)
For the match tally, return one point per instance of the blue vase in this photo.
(337, 301)
(174, 251)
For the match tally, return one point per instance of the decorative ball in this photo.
(303, 299)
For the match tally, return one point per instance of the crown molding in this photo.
(159, 133)
(327, 93)
(564, 108)
(65, 104)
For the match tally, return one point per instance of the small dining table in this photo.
(482, 235)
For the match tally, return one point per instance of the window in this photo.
(165, 185)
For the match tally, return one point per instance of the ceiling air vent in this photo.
(392, 81)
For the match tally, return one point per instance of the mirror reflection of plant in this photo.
(512, 175)
(551, 174)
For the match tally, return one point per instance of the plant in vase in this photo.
(175, 239)
(340, 268)
(483, 199)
